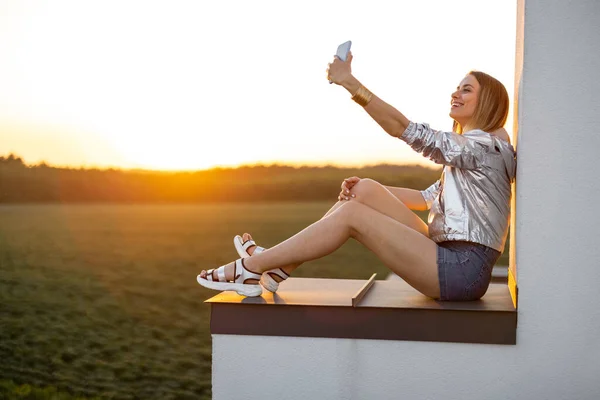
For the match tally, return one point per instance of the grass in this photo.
(12, 391)
(100, 300)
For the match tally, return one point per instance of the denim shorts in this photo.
(464, 269)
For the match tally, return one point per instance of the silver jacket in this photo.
(471, 201)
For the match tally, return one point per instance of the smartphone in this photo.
(343, 50)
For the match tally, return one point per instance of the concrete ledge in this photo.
(390, 310)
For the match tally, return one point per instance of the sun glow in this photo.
(191, 85)
(175, 152)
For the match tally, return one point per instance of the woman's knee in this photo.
(365, 188)
(350, 213)
(348, 209)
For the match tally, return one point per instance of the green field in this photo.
(102, 300)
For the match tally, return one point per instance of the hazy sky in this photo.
(194, 84)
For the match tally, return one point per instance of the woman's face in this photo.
(464, 100)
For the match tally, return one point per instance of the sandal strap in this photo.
(244, 273)
(247, 244)
(221, 274)
(279, 272)
(209, 275)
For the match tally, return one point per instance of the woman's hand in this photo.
(340, 71)
(347, 186)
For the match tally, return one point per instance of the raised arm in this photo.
(447, 148)
(391, 120)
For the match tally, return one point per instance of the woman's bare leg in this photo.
(407, 252)
(376, 196)
(289, 268)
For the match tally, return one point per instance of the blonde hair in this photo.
(491, 110)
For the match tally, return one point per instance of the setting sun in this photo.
(176, 152)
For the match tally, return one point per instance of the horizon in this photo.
(258, 164)
(227, 85)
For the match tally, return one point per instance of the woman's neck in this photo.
(466, 128)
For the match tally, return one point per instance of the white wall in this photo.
(558, 200)
(306, 368)
(557, 355)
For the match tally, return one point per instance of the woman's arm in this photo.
(412, 198)
(418, 200)
(447, 148)
(391, 120)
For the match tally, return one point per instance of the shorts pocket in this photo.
(470, 267)
(477, 289)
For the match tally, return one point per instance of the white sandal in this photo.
(267, 278)
(241, 275)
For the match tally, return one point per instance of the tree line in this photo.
(41, 183)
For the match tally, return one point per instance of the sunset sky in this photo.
(196, 84)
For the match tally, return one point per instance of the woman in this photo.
(451, 257)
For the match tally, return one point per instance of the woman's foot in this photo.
(233, 276)
(246, 248)
(253, 247)
(227, 268)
